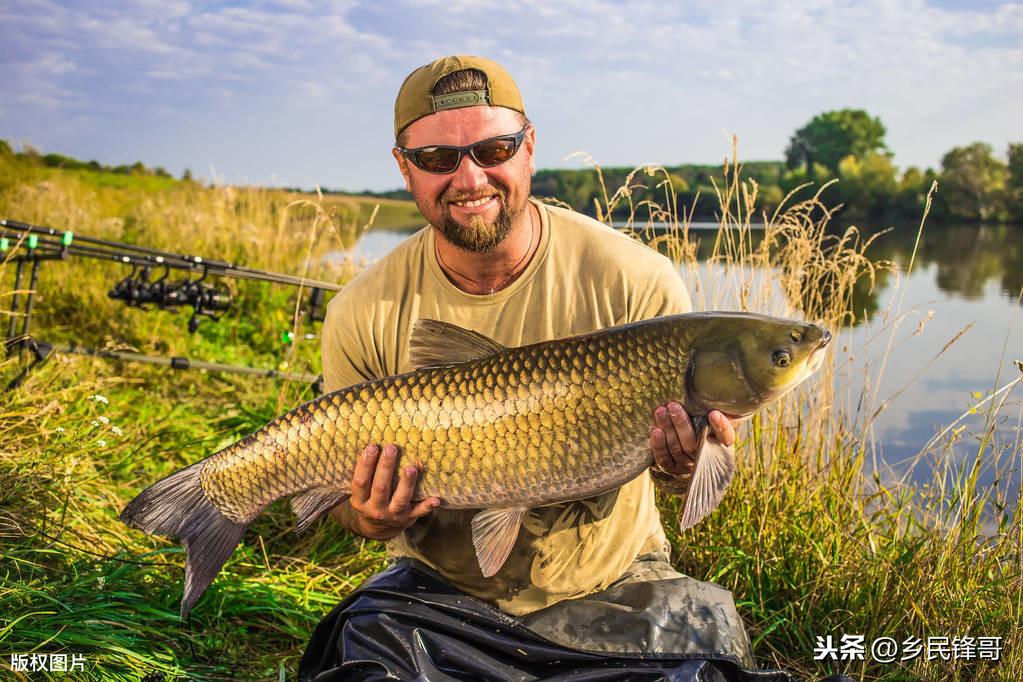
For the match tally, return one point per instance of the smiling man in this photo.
(588, 588)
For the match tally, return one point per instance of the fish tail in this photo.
(177, 506)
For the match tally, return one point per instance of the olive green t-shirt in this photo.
(584, 276)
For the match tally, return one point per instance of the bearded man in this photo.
(587, 591)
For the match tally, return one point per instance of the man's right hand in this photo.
(381, 509)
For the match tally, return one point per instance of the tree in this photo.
(867, 184)
(816, 175)
(1014, 194)
(830, 137)
(974, 183)
(911, 196)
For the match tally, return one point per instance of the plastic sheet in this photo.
(407, 623)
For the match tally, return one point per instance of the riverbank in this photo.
(809, 545)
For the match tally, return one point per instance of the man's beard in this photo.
(479, 236)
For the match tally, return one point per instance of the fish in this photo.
(494, 428)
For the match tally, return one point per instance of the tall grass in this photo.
(810, 539)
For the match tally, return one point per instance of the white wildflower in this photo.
(99, 399)
(117, 431)
(104, 420)
(101, 443)
(59, 429)
(94, 423)
(101, 582)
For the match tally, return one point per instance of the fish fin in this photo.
(493, 534)
(715, 468)
(314, 503)
(177, 506)
(439, 344)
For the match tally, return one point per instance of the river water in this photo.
(965, 277)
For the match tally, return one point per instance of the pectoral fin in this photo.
(715, 467)
(314, 503)
(493, 534)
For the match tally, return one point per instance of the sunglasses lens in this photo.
(437, 159)
(494, 152)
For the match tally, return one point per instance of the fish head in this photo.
(745, 361)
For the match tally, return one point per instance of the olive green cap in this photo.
(415, 99)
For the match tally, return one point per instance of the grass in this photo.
(808, 539)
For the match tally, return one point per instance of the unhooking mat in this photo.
(407, 623)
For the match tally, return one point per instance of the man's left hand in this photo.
(673, 440)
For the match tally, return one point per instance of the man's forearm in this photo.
(676, 485)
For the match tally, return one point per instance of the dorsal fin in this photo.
(439, 344)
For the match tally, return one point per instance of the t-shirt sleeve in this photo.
(665, 293)
(343, 353)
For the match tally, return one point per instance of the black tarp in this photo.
(407, 623)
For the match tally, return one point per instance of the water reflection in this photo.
(966, 257)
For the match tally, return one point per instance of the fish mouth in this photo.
(816, 358)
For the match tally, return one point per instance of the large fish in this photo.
(493, 428)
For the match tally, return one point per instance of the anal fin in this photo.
(494, 532)
(715, 468)
(314, 503)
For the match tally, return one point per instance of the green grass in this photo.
(808, 542)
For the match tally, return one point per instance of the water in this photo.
(964, 277)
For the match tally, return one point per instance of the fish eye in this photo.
(781, 358)
(796, 336)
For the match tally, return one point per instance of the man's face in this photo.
(445, 199)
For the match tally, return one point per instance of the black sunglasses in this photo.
(487, 153)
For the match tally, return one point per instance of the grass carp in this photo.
(493, 428)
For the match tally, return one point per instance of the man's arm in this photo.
(673, 442)
(379, 509)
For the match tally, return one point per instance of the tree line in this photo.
(52, 160)
(974, 184)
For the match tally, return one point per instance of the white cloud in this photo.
(626, 81)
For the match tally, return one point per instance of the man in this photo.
(587, 588)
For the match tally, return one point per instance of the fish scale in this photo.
(542, 398)
(492, 428)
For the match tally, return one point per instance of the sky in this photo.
(300, 93)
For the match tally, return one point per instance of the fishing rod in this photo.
(28, 245)
(55, 242)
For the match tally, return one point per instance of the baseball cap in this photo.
(416, 99)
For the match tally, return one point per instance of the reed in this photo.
(810, 539)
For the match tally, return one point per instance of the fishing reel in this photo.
(138, 291)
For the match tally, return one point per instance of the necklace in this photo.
(514, 268)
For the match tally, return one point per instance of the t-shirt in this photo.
(584, 276)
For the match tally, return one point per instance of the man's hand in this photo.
(381, 509)
(673, 440)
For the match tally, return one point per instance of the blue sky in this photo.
(296, 92)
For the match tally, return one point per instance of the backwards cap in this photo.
(416, 99)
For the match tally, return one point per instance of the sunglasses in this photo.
(487, 153)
